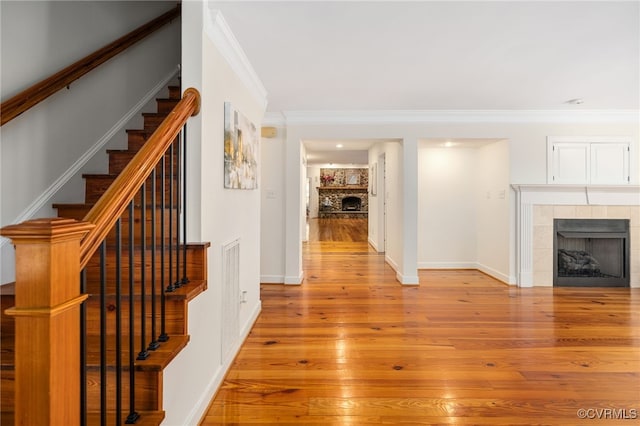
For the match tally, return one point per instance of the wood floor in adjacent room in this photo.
(351, 346)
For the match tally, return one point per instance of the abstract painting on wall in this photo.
(240, 150)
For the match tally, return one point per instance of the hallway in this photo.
(352, 346)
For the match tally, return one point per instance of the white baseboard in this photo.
(272, 279)
(293, 280)
(447, 265)
(494, 273)
(202, 404)
(505, 278)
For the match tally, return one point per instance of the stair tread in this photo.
(186, 292)
(157, 360)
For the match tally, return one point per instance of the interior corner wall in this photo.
(394, 201)
(224, 215)
(493, 211)
(447, 207)
(272, 258)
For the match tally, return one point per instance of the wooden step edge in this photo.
(155, 114)
(187, 292)
(140, 131)
(73, 205)
(8, 289)
(147, 418)
(158, 359)
(99, 175)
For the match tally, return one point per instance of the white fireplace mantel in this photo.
(578, 195)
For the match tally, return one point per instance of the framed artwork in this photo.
(240, 150)
(353, 177)
(373, 178)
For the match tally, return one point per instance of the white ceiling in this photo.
(446, 55)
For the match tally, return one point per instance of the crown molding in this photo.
(302, 118)
(219, 32)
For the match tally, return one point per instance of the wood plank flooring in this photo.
(353, 346)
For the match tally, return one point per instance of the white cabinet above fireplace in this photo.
(588, 160)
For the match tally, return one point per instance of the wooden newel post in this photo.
(47, 318)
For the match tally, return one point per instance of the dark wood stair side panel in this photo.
(153, 119)
(176, 309)
(79, 211)
(175, 92)
(118, 160)
(166, 105)
(136, 138)
(196, 271)
(7, 341)
(96, 185)
(148, 385)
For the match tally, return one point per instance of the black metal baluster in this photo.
(154, 342)
(163, 244)
(185, 279)
(103, 334)
(178, 283)
(133, 415)
(83, 350)
(171, 287)
(143, 354)
(118, 265)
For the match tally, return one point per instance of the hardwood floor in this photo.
(352, 346)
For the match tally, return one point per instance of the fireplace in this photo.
(351, 204)
(591, 252)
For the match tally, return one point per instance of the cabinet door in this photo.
(570, 162)
(609, 163)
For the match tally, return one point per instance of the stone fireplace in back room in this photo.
(591, 252)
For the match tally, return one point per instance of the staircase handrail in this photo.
(40, 91)
(117, 197)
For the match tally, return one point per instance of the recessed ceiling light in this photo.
(448, 144)
(339, 145)
(576, 101)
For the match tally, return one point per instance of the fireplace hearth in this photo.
(591, 252)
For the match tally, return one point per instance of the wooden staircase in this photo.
(149, 371)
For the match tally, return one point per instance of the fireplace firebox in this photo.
(591, 252)
(351, 204)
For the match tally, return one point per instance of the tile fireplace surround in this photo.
(538, 205)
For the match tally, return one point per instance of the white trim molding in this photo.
(219, 32)
(308, 118)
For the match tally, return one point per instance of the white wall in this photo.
(494, 226)
(447, 224)
(210, 62)
(272, 228)
(43, 148)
